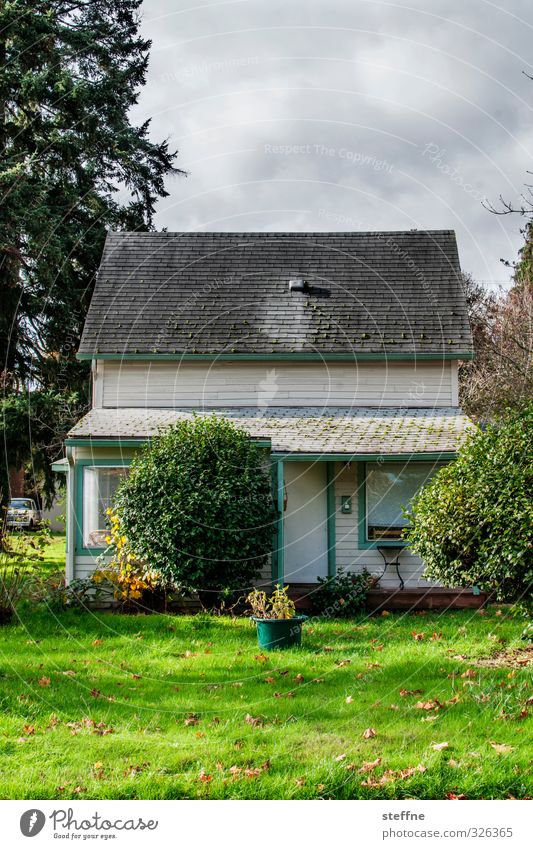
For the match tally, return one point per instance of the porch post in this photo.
(330, 506)
(279, 497)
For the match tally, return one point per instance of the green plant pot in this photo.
(279, 633)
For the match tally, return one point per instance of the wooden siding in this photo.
(171, 385)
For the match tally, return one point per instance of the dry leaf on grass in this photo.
(368, 766)
(437, 747)
(44, 682)
(501, 748)
(368, 733)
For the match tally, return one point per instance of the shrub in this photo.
(19, 555)
(197, 507)
(343, 595)
(126, 577)
(473, 523)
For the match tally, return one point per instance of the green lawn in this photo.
(114, 706)
(54, 560)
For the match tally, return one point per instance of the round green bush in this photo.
(473, 523)
(197, 506)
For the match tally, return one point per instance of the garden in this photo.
(126, 702)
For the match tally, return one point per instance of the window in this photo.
(389, 488)
(99, 485)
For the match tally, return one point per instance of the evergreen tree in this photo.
(73, 165)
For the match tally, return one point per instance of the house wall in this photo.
(263, 384)
(305, 526)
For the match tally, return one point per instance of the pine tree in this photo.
(73, 166)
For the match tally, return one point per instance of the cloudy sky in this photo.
(345, 115)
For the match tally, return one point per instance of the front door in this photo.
(305, 524)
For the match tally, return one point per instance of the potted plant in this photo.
(278, 626)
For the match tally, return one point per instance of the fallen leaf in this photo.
(299, 678)
(44, 682)
(437, 747)
(79, 789)
(97, 642)
(317, 681)
(369, 732)
(456, 796)
(254, 721)
(261, 658)
(300, 781)
(341, 757)
(205, 777)
(418, 635)
(394, 707)
(349, 700)
(29, 729)
(470, 673)
(368, 766)
(270, 680)
(342, 662)
(501, 748)
(191, 719)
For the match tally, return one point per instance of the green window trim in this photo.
(78, 488)
(363, 541)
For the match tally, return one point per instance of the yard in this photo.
(101, 705)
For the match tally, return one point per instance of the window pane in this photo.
(99, 485)
(389, 487)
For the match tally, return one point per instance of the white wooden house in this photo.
(337, 352)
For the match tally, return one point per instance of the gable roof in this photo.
(374, 294)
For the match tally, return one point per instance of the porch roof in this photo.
(300, 430)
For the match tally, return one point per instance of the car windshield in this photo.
(20, 503)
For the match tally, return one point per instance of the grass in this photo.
(103, 705)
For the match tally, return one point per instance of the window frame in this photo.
(363, 540)
(80, 465)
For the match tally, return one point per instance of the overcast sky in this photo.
(345, 115)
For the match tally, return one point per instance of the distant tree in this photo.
(501, 375)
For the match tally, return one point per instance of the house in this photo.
(337, 352)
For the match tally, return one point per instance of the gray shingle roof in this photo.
(312, 430)
(228, 293)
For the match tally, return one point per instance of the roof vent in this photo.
(297, 284)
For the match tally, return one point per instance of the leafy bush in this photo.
(197, 507)
(473, 523)
(343, 595)
(126, 577)
(19, 555)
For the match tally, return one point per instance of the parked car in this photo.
(23, 513)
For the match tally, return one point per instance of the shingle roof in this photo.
(310, 430)
(228, 293)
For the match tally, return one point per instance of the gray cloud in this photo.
(345, 114)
